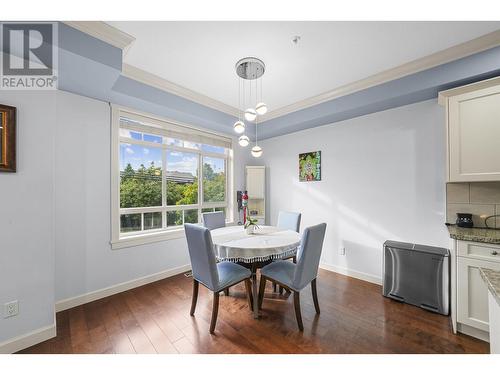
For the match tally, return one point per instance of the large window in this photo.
(165, 175)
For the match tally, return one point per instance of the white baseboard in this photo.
(352, 273)
(29, 339)
(474, 332)
(68, 303)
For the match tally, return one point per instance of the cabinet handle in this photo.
(494, 252)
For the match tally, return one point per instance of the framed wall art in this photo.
(7, 138)
(310, 166)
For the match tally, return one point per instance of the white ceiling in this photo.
(200, 56)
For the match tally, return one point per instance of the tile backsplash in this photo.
(481, 199)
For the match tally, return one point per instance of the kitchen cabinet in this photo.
(472, 297)
(256, 181)
(473, 131)
(256, 188)
(469, 292)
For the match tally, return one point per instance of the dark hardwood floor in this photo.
(154, 318)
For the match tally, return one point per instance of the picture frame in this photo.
(7, 138)
(310, 166)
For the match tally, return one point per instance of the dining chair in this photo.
(296, 276)
(214, 220)
(291, 221)
(215, 276)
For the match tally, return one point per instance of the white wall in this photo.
(383, 177)
(26, 217)
(84, 259)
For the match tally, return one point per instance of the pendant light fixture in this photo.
(261, 107)
(256, 150)
(244, 141)
(250, 69)
(250, 113)
(239, 126)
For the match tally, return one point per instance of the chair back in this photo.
(214, 220)
(309, 255)
(202, 255)
(289, 220)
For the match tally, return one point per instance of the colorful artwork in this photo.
(310, 166)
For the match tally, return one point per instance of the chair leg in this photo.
(215, 311)
(315, 295)
(298, 315)
(226, 291)
(248, 287)
(195, 296)
(262, 289)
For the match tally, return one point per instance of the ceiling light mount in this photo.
(250, 68)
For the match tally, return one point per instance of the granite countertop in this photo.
(474, 234)
(492, 279)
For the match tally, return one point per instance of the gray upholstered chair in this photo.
(291, 221)
(296, 276)
(214, 220)
(215, 276)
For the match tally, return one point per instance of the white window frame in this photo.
(121, 240)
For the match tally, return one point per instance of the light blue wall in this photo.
(90, 67)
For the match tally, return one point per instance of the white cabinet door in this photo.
(256, 182)
(474, 136)
(494, 313)
(472, 292)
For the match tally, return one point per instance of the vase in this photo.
(250, 229)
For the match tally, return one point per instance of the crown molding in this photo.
(105, 32)
(456, 52)
(120, 39)
(153, 80)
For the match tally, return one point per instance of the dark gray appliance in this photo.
(418, 275)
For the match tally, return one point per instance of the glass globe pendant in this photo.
(239, 126)
(244, 141)
(256, 151)
(250, 114)
(261, 108)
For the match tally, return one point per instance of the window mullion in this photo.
(200, 186)
(164, 178)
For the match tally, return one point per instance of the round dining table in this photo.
(255, 250)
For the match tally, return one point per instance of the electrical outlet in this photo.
(10, 309)
(342, 251)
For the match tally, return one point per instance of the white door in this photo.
(472, 292)
(256, 182)
(474, 136)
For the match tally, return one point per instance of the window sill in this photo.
(143, 239)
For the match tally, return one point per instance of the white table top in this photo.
(233, 244)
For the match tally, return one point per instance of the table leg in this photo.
(255, 293)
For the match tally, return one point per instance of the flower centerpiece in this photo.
(251, 225)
